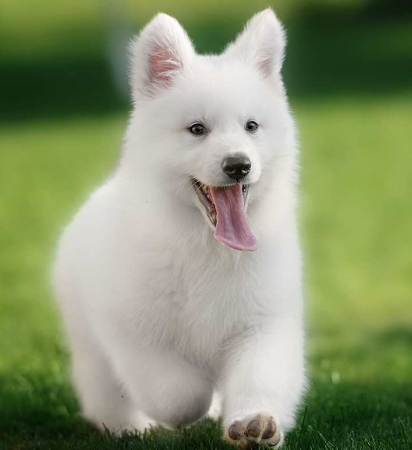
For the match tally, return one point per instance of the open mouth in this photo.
(225, 208)
(204, 194)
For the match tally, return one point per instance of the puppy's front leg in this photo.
(262, 384)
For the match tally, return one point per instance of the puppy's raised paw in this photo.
(253, 431)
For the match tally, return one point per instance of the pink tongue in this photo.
(232, 227)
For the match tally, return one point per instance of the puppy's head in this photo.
(215, 124)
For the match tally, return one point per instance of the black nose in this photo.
(237, 167)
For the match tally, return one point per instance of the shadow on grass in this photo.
(39, 412)
(335, 59)
(355, 416)
(38, 405)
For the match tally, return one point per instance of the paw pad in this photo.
(253, 428)
(269, 431)
(235, 431)
(249, 433)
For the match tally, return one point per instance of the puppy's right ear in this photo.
(159, 54)
(261, 44)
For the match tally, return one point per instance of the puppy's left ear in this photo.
(261, 43)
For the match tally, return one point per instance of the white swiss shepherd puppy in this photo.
(179, 280)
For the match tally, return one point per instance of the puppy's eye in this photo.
(251, 126)
(198, 129)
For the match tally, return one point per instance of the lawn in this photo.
(356, 220)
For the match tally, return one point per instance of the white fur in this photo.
(159, 314)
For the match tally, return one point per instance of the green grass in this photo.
(60, 136)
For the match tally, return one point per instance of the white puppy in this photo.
(180, 277)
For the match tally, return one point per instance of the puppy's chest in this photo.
(201, 306)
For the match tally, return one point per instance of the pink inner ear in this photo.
(162, 64)
(266, 66)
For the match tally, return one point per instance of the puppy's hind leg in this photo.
(104, 401)
(166, 387)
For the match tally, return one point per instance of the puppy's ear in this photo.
(158, 55)
(261, 43)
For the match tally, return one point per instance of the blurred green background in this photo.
(63, 110)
